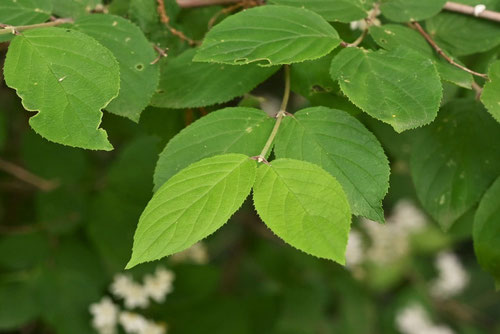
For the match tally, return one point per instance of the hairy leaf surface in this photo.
(491, 91)
(67, 83)
(192, 205)
(391, 36)
(399, 87)
(455, 159)
(230, 130)
(486, 231)
(187, 84)
(305, 206)
(342, 146)
(269, 35)
(138, 78)
(337, 10)
(410, 10)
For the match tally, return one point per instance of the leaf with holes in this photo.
(455, 159)
(67, 83)
(138, 78)
(230, 130)
(269, 35)
(338, 10)
(187, 84)
(305, 206)
(192, 205)
(486, 231)
(392, 36)
(399, 87)
(491, 91)
(341, 145)
(410, 10)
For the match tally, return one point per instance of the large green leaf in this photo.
(391, 36)
(138, 78)
(67, 83)
(305, 206)
(463, 35)
(230, 130)
(455, 159)
(187, 84)
(410, 10)
(192, 205)
(269, 35)
(342, 146)
(23, 306)
(486, 231)
(491, 91)
(332, 10)
(399, 87)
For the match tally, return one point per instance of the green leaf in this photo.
(74, 8)
(486, 231)
(22, 305)
(399, 87)
(187, 84)
(23, 12)
(410, 10)
(342, 146)
(337, 10)
(138, 78)
(269, 35)
(67, 83)
(230, 130)
(391, 36)
(305, 206)
(192, 205)
(463, 35)
(491, 91)
(455, 159)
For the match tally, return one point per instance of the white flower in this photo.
(408, 215)
(133, 322)
(104, 316)
(157, 286)
(452, 277)
(153, 328)
(134, 294)
(196, 253)
(414, 320)
(363, 25)
(354, 252)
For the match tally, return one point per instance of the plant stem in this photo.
(12, 29)
(26, 176)
(279, 116)
(415, 25)
(470, 10)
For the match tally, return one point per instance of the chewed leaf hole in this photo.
(139, 67)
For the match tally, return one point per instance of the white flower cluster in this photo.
(363, 24)
(197, 254)
(106, 315)
(452, 277)
(389, 242)
(413, 319)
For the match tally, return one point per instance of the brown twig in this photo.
(26, 176)
(228, 10)
(369, 22)
(415, 25)
(478, 89)
(471, 10)
(166, 21)
(8, 29)
(161, 54)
